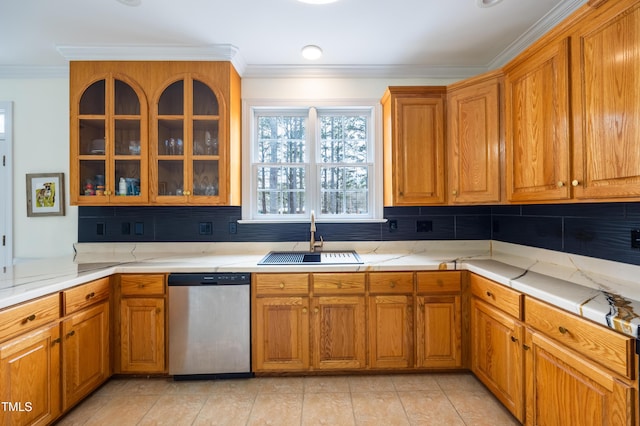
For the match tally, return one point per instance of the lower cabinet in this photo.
(564, 388)
(30, 377)
(85, 352)
(142, 322)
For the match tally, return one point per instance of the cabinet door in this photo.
(85, 353)
(439, 331)
(142, 332)
(281, 334)
(564, 388)
(338, 332)
(537, 125)
(605, 60)
(108, 141)
(474, 140)
(390, 331)
(187, 134)
(496, 355)
(30, 377)
(414, 149)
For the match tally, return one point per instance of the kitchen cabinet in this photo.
(605, 58)
(141, 325)
(439, 320)
(338, 321)
(497, 335)
(577, 372)
(85, 334)
(171, 129)
(475, 140)
(537, 118)
(30, 362)
(414, 145)
(280, 324)
(390, 321)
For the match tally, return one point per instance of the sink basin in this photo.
(314, 258)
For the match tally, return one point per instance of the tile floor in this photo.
(413, 399)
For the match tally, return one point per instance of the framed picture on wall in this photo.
(45, 194)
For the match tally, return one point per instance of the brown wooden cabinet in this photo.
(390, 321)
(85, 353)
(30, 377)
(338, 328)
(496, 342)
(414, 145)
(280, 324)
(142, 322)
(537, 121)
(171, 130)
(475, 140)
(605, 58)
(439, 320)
(85, 334)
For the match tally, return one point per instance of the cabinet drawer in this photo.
(391, 282)
(438, 282)
(341, 283)
(506, 299)
(29, 315)
(142, 285)
(607, 347)
(277, 284)
(84, 295)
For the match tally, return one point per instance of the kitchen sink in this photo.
(314, 258)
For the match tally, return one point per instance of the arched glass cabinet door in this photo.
(111, 144)
(187, 144)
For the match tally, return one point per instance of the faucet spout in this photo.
(312, 243)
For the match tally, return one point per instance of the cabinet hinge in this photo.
(4, 160)
(4, 240)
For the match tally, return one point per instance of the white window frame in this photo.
(310, 109)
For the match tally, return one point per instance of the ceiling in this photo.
(375, 38)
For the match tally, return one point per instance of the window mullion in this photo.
(313, 171)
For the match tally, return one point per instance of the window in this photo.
(305, 159)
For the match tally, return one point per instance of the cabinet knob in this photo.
(316, 310)
(514, 339)
(454, 192)
(304, 310)
(575, 182)
(281, 285)
(560, 184)
(525, 347)
(71, 333)
(54, 341)
(562, 330)
(90, 295)
(30, 318)
(340, 284)
(489, 294)
(392, 284)
(140, 285)
(187, 192)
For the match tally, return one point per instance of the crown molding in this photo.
(360, 71)
(537, 30)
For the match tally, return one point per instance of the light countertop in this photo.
(602, 291)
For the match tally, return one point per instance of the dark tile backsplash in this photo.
(601, 230)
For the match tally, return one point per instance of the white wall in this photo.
(41, 142)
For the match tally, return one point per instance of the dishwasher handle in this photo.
(213, 279)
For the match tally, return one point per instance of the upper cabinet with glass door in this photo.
(168, 130)
(187, 152)
(108, 143)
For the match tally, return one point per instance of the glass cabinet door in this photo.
(111, 142)
(187, 144)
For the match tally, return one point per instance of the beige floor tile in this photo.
(123, 410)
(278, 409)
(415, 382)
(236, 386)
(83, 412)
(459, 381)
(378, 408)
(323, 408)
(230, 409)
(315, 384)
(281, 385)
(148, 386)
(174, 410)
(112, 387)
(480, 408)
(371, 383)
(431, 407)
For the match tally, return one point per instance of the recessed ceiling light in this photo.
(311, 52)
(487, 3)
(317, 1)
(131, 2)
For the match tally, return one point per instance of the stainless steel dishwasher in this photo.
(209, 325)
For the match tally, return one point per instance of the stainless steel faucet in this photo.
(313, 244)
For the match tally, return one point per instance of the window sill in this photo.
(264, 221)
